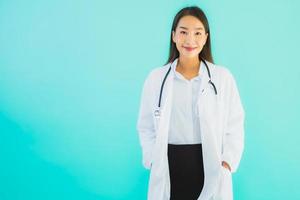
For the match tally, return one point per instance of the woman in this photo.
(191, 119)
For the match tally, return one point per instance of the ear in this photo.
(173, 36)
(206, 36)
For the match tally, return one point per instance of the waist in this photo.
(185, 147)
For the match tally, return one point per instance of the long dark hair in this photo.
(198, 13)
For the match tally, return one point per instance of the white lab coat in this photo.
(222, 131)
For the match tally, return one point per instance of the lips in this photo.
(190, 48)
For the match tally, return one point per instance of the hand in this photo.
(226, 165)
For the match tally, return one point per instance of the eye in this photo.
(198, 33)
(182, 32)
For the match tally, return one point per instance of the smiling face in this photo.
(189, 36)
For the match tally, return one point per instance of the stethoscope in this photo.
(157, 111)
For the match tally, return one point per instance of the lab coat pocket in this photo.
(224, 191)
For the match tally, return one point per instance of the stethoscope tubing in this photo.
(157, 112)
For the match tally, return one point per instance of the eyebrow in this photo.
(187, 28)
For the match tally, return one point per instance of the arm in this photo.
(145, 123)
(233, 143)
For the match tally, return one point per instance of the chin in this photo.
(190, 55)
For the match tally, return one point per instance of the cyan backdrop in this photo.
(71, 74)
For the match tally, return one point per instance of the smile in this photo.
(190, 48)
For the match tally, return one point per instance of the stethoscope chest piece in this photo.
(157, 113)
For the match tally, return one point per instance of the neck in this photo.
(188, 64)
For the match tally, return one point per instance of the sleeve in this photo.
(145, 122)
(233, 143)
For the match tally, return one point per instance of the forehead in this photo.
(190, 22)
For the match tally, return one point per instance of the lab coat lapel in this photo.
(209, 141)
(159, 187)
(167, 101)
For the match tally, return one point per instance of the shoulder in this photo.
(225, 80)
(158, 73)
(154, 77)
(220, 72)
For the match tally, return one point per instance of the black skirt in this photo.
(186, 171)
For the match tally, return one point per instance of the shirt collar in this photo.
(180, 76)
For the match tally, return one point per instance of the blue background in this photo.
(71, 74)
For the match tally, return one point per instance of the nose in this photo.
(189, 38)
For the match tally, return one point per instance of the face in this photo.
(189, 36)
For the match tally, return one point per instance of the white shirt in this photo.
(184, 122)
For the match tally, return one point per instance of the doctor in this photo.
(191, 119)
